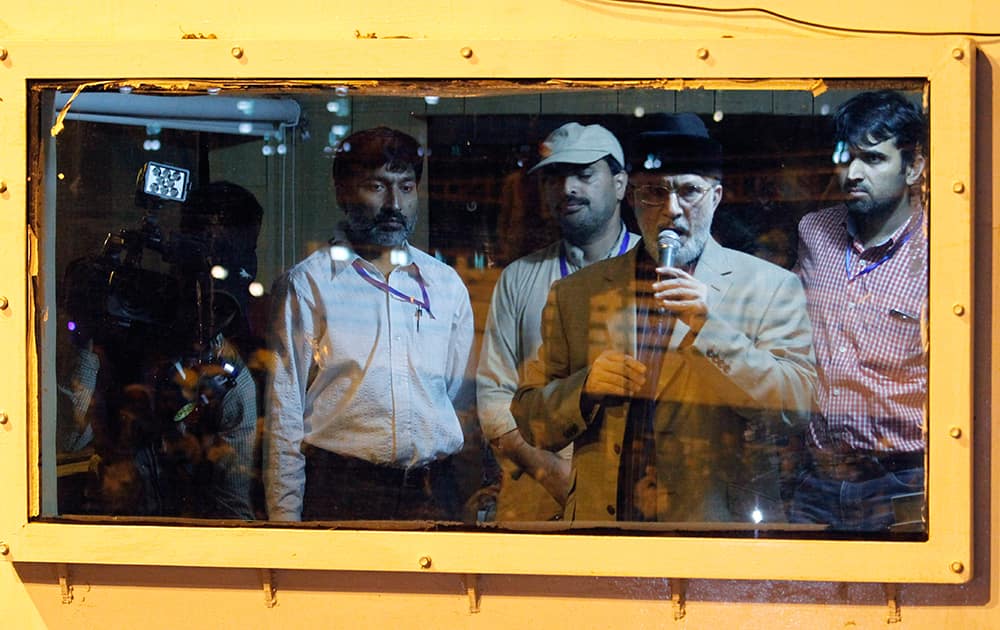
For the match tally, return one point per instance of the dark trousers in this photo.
(347, 488)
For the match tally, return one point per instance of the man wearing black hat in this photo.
(674, 369)
(584, 182)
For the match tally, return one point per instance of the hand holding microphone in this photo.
(677, 290)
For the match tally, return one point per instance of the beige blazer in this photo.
(727, 397)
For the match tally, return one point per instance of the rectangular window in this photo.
(176, 213)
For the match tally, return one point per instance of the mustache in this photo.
(680, 227)
(388, 214)
(573, 199)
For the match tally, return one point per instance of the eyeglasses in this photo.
(688, 194)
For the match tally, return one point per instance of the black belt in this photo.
(414, 477)
(862, 466)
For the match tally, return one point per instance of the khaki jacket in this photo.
(727, 397)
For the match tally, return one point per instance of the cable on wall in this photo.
(800, 22)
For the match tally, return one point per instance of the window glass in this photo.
(336, 303)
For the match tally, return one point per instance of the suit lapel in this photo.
(715, 270)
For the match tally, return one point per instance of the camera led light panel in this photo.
(166, 181)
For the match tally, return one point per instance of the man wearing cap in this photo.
(673, 381)
(583, 182)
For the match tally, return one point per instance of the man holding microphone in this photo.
(675, 369)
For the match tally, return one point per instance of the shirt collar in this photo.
(342, 255)
(912, 223)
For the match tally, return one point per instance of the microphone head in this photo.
(669, 242)
(668, 238)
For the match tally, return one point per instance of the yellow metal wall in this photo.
(151, 597)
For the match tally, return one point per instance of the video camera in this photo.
(111, 297)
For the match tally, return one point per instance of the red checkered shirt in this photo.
(868, 333)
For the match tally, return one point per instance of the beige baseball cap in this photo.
(574, 143)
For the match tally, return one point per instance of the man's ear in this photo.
(621, 184)
(716, 196)
(342, 194)
(915, 169)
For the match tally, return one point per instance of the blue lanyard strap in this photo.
(564, 266)
(399, 295)
(878, 263)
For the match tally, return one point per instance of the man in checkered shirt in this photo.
(863, 264)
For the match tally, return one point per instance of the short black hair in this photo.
(874, 117)
(613, 164)
(221, 203)
(373, 148)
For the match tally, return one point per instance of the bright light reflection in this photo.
(718, 115)
(245, 127)
(639, 111)
(432, 100)
(340, 252)
(256, 289)
(219, 272)
(757, 515)
(399, 256)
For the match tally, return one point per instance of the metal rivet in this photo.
(958, 309)
(958, 187)
(702, 54)
(955, 432)
(3, 417)
(3, 186)
(957, 567)
(3, 54)
(237, 52)
(425, 562)
(957, 53)
(4, 303)
(466, 52)
(4, 548)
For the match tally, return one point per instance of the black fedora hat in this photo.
(678, 143)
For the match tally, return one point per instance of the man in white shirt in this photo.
(584, 182)
(372, 338)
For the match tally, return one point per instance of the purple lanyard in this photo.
(399, 295)
(564, 266)
(875, 265)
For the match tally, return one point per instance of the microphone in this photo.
(668, 242)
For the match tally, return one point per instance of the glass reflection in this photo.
(379, 340)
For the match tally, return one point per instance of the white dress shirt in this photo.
(364, 371)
